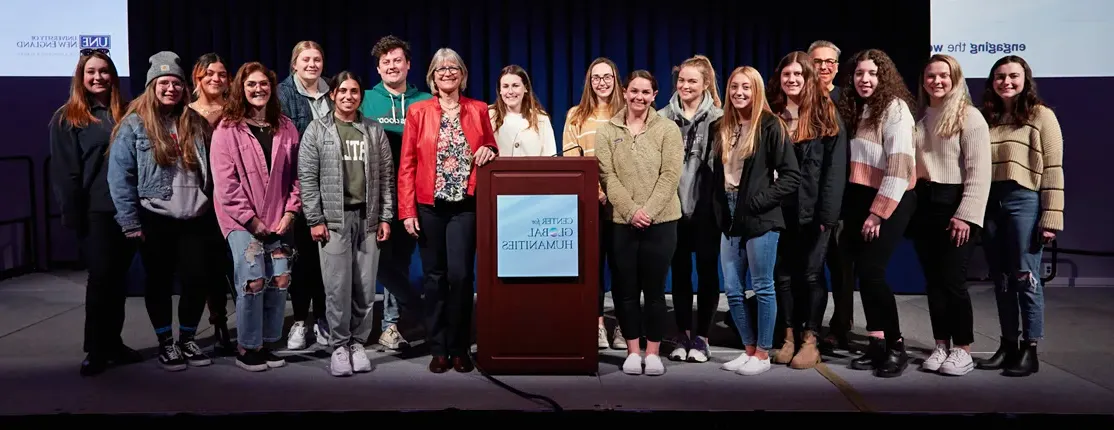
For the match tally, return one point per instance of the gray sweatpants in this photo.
(349, 262)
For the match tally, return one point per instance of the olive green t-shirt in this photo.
(353, 150)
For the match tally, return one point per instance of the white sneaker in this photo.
(601, 338)
(735, 364)
(296, 340)
(360, 362)
(341, 363)
(679, 354)
(321, 335)
(934, 360)
(392, 338)
(754, 366)
(959, 363)
(618, 341)
(654, 366)
(633, 364)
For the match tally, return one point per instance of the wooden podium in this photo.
(537, 312)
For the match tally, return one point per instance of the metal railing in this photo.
(30, 257)
(1054, 251)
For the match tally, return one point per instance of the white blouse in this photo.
(516, 139)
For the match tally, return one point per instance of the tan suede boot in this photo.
(809, 355)
(785, 354)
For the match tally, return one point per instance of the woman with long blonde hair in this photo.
(751, 144)
(953, 184)
(601, 99)
(304, 97)
(694, 106)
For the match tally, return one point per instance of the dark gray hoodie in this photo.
(698, 152)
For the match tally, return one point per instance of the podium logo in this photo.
(553, 233)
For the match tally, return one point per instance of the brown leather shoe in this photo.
(785, 354)
(462, 364)
(439, 364)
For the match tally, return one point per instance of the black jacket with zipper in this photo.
(823, 163)
(759, 199)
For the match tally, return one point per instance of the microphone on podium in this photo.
(579, 149)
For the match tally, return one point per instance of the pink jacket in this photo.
(241, 188)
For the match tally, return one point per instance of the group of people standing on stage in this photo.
(318, 188)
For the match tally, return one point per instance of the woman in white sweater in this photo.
(953, 185)
(522, 127)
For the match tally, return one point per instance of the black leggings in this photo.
(802, 296)
(699, 236)
(639, 263)
(173, 246)
(306, 284)
(870, 259)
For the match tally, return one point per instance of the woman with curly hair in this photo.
(879, 199)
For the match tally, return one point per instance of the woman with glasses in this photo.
(159, 181)
(444, 140)
(600, 100)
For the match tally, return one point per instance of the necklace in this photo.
(206, 110)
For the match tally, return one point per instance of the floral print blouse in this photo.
(454, 162)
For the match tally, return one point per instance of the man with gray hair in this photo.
(825, 59)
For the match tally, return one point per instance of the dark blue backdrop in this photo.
(553, 40)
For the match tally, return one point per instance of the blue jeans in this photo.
(759, 255)
(1011, 241)
(390, 308)
(259, 314)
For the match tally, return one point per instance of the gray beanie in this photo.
(163, 64)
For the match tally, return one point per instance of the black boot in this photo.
(1002, 358)
(1026, 363)
(875, 353)
(895, 360)
(224, 346)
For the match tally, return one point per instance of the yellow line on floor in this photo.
(844, 387)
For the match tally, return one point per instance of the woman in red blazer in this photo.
(445, 138)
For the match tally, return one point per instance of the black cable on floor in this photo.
(528, 396)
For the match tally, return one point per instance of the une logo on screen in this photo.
(95, 41)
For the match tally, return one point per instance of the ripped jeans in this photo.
(259, 314)
(1011, 241)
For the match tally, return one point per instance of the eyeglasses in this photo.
(90, 51)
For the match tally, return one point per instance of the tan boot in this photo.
(785, 354)
(809, 355)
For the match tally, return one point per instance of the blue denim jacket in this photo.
(134, 175)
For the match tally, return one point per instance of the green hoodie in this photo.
(389, 110)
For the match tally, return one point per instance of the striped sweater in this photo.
(582, 135)
(883, 158)
(960, 159)
(1033, 156)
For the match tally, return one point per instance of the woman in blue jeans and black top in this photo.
(757, 169)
